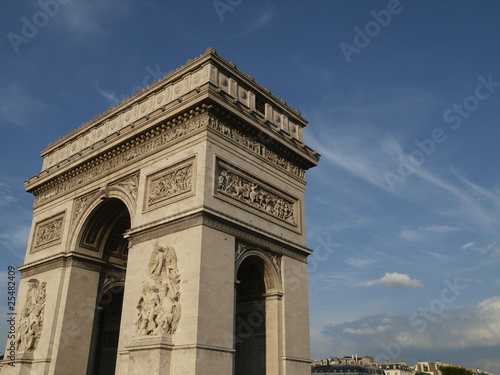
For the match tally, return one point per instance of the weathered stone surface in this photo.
(164, 226)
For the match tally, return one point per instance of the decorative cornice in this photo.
(60, 260)
(258, 147)
(148, 143)
(207, 75)
(141, 234)
(127, 153)
(172, 76)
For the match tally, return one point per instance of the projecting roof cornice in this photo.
(207, 79)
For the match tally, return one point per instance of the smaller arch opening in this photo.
(107, 323)
(250, 319)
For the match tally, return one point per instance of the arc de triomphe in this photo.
(168, 236)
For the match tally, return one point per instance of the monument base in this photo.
(150, 355)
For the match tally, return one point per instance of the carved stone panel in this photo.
(131, 151)
(31, 319)
(173, 182)
(130, 184)
(48, 232)
(79, 206)
(159, 309)
(255, 146)
(235, 184)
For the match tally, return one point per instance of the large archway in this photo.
(104, 232)
(250, 319)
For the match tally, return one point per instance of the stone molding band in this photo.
(143, 145)
(138, 235)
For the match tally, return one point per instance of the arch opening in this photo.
(103, 232)
(250, 319)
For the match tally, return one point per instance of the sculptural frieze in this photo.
(242, 189)
(133, 150)
(130, 184)
(49, 231)
(31, 317)
(170, 183)
(159, 308)
(257, 146)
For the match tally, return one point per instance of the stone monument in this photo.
(168, 236)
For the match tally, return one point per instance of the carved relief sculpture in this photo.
(159, 306)
(131, 151)
(131, 185)
(171, 183)
(240, 188)
(49, 231)
(31, 321)
(255, 146)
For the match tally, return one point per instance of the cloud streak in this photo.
(396, 281)
(465, 329)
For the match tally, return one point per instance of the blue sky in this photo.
(403, 99)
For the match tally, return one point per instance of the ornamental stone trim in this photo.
(159, 308)
(207, 69)
(256, 147)
(31, 320)
(134, 149)
(145, 144)
(48, 232)
(238, 186)
(175, 181)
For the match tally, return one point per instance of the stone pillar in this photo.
(150, 355)
(274, 337)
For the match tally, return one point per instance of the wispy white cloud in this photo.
(491, 249)
(89, 18)
(367, 330)
(15, 239)
(467, 245)
(263, 18)
(348, 153)
(6, 196)
(470, 329)
(360, 262)
(441, 228)
(395, 280)
(407, 234)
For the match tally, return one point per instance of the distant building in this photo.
(431, 368)
(350, 360)
(400, 368)
(346, 370)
